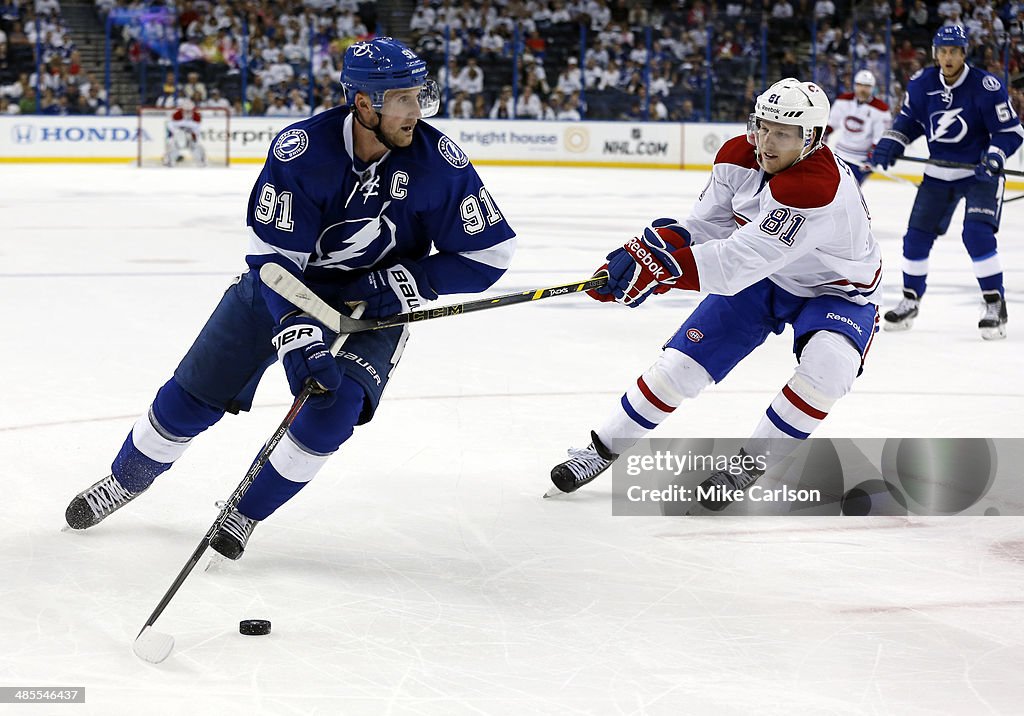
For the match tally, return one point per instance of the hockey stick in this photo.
(889, 175)
(289, 287)
(153, 646)
(955, 165)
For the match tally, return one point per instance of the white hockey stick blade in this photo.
(290, 288)
(153, 646)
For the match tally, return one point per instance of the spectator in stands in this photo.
(297, 105)
(216, 100)
(471, 78)
(568, 111)
(194, 88)
(480, 110)
(824, 10)
(461, 107)
(277, 107)
(570, 78)
(611, 78)
(688, 113)
(422, 20)
(504, 107)
(448, 77)
(7, 107)
(528, 106)
(592, 73)
(782, 10)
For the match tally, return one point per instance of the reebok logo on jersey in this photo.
(647, 260)
(844, 319)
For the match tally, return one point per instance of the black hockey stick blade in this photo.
(955, 165)
(290, 288)
(153, 646)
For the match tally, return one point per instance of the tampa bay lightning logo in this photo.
(991, 83)
(355, 243)
(947, 126)
(452, 153)
(290, 144)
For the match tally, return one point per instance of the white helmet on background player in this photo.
(865, 77)
(791, 101)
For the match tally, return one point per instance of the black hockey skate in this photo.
(902, 317)
(93, 505)
(993, 322)
(230, 539)
(715, 493)
(582, 467)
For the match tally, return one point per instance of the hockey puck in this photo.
(254, 627)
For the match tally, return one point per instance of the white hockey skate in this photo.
(902, 317)
(993, 322)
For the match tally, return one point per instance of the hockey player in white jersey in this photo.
(182, 133)
(966, 115)
(858, 120)
(779, 236)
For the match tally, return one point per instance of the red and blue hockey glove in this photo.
(889, 148)
(304, 355)
(387, 292)
(991, 166)
(646, 264)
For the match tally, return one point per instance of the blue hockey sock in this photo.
(269, 491)
(313, 438)
(917, 245)
(161, 436)
(980, 242)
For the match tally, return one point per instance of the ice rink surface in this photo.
(421, 572)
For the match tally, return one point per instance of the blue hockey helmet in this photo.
(375, 66)
(950, 36)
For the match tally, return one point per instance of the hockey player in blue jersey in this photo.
(363, 203)
(965, 114)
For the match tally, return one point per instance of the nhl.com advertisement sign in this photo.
(569, 143)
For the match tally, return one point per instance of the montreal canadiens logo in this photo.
(694, 335)
(452, 153)
(290, 144)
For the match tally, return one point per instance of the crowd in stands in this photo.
(533, 59)
(58, 84)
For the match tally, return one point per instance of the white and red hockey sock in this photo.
(645, 404)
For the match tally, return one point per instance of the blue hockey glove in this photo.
(645, 265)
(889, 148)
(304, 355)
(387, 292)
(991, 166)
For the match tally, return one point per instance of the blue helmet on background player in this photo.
(950, 36)
(375, 66)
